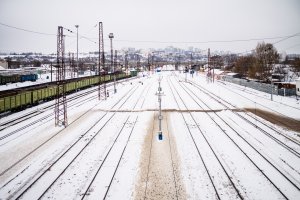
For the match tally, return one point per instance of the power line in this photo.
(212, 41)
(48, 34)
(26, 30)
(282, 38)
(162, 42)
(287, 37)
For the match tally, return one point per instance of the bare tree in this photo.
(245, 65)
(296, 65)
(266, 56)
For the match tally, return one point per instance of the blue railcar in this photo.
(29, 77)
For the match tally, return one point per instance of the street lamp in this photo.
(77, 48)
(111, 36)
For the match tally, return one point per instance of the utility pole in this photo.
(186, 71)
(214, 65)
(152, 62)
(272, 84)
(148, 64)
(138, 62)
(208, 64)
(111, 36)
(102, 84)
(178, 62)
(126, 62)
(77, 50)
(116, 61)
(192, 71)
(51, 71)
(61, 100)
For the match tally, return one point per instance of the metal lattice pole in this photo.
(77, 50)
(101, 66)
(60, 101)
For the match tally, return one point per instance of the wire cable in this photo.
(26, 30)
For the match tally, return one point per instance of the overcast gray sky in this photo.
(151, 24)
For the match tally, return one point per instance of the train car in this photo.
(4, 79)
(21, 98)
(14, 78)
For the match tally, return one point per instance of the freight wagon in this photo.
(14, 78)
(21, 98)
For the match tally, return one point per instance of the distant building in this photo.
(3, 64)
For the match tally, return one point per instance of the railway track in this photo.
(93, 183)
(265, 129)
(219, 191)
(256, 160)
(73, 102)
(84, 141)
(55, 135)
(71, 97)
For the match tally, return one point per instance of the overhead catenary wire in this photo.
(91, 39)
(43, 33)
(26, 30)
(163, 42)
(281, 40)
(210, 41)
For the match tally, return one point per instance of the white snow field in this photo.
(213, 147)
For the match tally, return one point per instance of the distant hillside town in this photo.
(262, 64)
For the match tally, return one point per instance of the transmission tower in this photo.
(61, 100)
(72, 64)
(101, 66)
(69, 69)
(73, 75)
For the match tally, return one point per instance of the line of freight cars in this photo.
(15, 78)
(21, 98)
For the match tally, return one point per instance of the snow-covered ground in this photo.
(211, 149)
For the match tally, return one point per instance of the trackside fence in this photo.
(264, 87)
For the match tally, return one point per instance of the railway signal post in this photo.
(160, 117)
